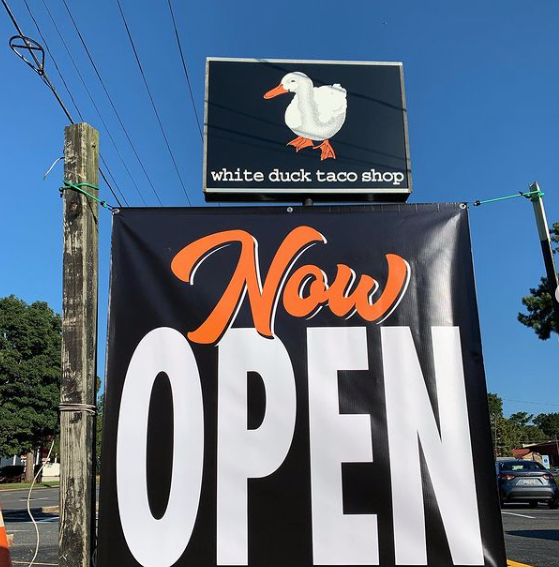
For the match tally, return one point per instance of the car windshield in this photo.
(526, 466)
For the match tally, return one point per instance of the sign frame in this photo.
(356, 194)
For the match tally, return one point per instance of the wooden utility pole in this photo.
(79, 348)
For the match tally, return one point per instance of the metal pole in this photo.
(547, 250)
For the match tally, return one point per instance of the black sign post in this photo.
(289, 130)
(296, 386)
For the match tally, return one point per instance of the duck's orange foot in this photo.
(327, 151)
(299, 143)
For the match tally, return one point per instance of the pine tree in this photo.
(539, 303)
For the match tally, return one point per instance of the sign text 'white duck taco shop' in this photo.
(328, 130)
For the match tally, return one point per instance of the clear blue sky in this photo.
(482, 85)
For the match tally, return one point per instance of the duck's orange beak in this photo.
(275, 92)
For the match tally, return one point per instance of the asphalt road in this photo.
(17, 499)
(531, 534)
(14, 508)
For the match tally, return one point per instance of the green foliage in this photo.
(533, 434)
(548, 423)
(495, 404)
(540, 316)
(521, 418)
(30, 340)
(539, 304)
(519, 429)
(554, 234)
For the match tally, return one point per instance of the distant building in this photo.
(535, 451)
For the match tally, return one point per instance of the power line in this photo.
(39, 70)
(43, 39)
(88, 53)
(105, 165)
(76, 107)
(90, 97)
(185, 69)
(152, 100)
(533, 403)
(45, 78)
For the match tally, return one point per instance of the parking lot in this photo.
(532, 535)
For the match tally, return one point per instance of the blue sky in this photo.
(482, 85)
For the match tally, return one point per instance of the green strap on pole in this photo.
(78, 187)
(530, 195)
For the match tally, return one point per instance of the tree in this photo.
(30, 369)
(539, 304)
(500, 427)
(505, 436)
(495, 404)
(511, 433)
(548, 423)
(533, 434)
(521, 418)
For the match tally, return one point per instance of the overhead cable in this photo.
(45, 43)
(113, 106)
(76, 106)
(185, 69)
(105, 165)
(129, 34)
(44, 76)
(40, 71)
(87, 90)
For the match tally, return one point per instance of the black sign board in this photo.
(287, 130)
(285, 390)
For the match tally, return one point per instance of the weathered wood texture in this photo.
(79, 347)
(29, 467)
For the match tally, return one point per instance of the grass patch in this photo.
(16, 485)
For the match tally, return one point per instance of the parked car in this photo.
(11, 473)
(526, 481)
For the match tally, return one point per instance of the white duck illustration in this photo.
(315, 113)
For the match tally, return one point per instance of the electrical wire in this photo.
(29, 504)
(532, 403)
(113, 106)
(43, 39)
(45, 43)
(44, 77)
(105, 165)
(87, 90)
(152, 100)
(40, 71)
(185, 69)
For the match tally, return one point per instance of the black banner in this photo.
(296, 386)
(282, 130)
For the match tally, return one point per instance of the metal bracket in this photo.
(22, 42)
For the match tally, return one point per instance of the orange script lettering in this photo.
(305, 291)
